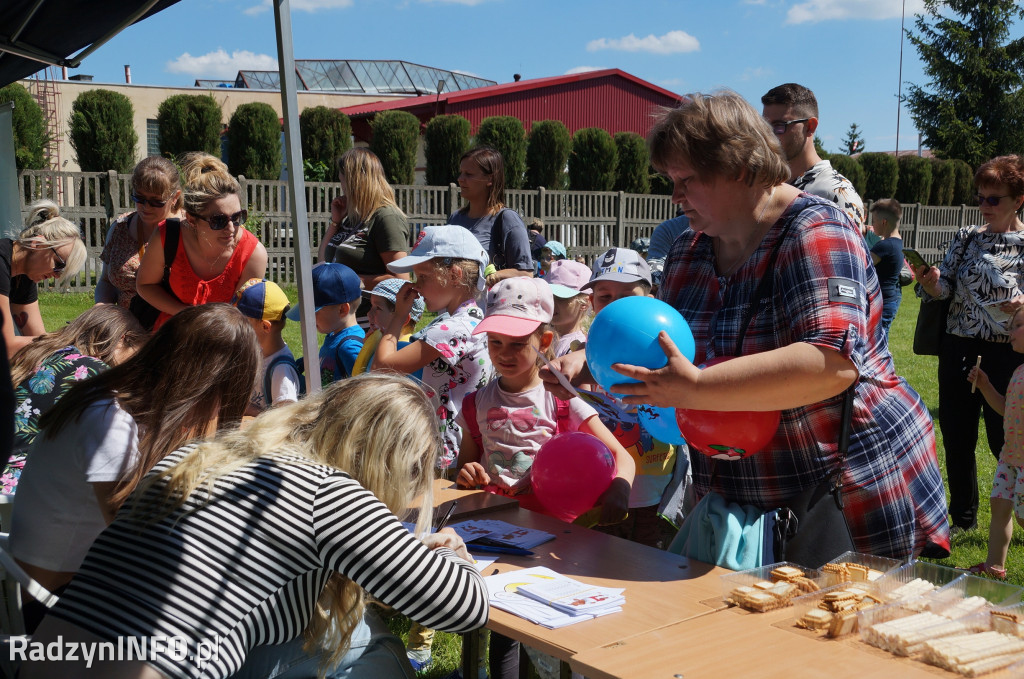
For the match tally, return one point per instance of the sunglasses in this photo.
(218, 222)
(58, 264)
(991, 200)
(136, 198)
(781, 126)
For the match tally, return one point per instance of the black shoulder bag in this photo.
(145, 312)
(931, 317)
(810, 529)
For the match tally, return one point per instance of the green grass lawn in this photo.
(920, 371)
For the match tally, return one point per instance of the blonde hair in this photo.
(206, 179)
(46, 229)
(157, 174)
(718, 134)
(463, 273)
(378, 428)
(578, 307)
(367, 186)
(98, 332)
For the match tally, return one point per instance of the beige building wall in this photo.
(146, 99)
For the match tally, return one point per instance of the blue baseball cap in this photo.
(332, 284)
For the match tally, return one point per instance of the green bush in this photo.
(189, 122)
(660, 184)
(254, 142)
(593, 161)
(507, 135)
(631, 170)
(915, 182)
(102, 132)
(852, 170)
(396, 135)
(882, 172)
(547, 153)
(943, 177)
(30, 135)
(326, 134)
(445, 139)
(963, 183)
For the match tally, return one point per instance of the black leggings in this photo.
(958, 415)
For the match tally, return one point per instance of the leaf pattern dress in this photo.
(36, 394)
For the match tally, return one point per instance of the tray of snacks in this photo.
(769, 587)
(915, 579)
(833, 610)
(992, 643)
(903, 629)
(969, 591)
(856, 567)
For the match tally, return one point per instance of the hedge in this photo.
(254, 142)
(396, 135)
(507, 135)
(634, 159)
(29, 123)
(882, 172)
(445, 139)
(102, 131)
(547, 153)
(326, 133)
(915, 180)
(189, 122)
(593, 161)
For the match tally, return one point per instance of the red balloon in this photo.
(570, 473)
(728, 435)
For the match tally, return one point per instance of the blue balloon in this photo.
(660, 423)
(626, 331)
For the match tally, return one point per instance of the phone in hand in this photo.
(915, 258)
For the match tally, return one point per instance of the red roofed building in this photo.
(610, 99)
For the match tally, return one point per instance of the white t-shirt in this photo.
(57, 517)
(284, 382)
(463, 366)
(513, 427)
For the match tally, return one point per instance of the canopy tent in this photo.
(36, 33)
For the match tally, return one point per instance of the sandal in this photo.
(982, 569)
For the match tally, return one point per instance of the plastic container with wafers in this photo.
(856, 567)
(769, 587)
(832, 611)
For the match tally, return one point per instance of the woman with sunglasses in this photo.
(50, 247)
(983, 271)
(156, 192)
(215, 253)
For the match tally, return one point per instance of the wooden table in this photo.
(661, 588)
(734, 643)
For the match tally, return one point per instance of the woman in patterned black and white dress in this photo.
(984, 272)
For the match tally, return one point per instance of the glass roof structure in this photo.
(358, 77)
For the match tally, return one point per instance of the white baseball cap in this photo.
(622, 265)
(447, 241)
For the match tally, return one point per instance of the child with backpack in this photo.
(264, 305)
(513, 416)
(509, 419)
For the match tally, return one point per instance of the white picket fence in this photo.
(586, 222)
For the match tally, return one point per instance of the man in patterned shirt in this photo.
(792, 111)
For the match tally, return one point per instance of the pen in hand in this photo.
(447, 515)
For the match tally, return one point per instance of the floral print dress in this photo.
(36, 394)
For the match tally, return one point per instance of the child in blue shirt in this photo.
(336, 295)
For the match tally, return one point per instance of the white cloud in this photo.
(221, 65)
(813, 11)
(755, 73)
(673, 42)
(584, 69)
(301, 5)
(672, 82)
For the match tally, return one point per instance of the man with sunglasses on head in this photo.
(792, 111)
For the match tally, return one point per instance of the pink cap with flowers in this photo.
(517, 306)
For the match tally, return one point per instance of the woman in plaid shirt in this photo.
(814, 333)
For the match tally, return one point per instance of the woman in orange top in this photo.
(215, 253)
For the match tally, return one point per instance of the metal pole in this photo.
(296, 186)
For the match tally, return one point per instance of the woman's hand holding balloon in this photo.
(670, 387)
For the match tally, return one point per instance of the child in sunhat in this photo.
(448, 262)
(572, 304)
(551, 252)
(507, 421)
(337, 292)
(265, 305)
(382, 308)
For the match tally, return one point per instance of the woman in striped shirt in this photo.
(239, 549)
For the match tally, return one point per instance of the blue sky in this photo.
(847, 51)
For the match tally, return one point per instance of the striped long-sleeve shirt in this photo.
(247, 567)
